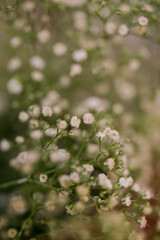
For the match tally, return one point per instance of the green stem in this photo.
(52, 140)
(13, 183)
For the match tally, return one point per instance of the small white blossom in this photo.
(107, 131)
(147, 210)
(143, 21)
(114, 135)
(75, 69)
(11, 233)
(15, 42)
(59, 49)
(4, 145)
(44, 36)
(126, 201)
(64, 180)
(14, 86)
(142, 221)
(136, 187)
(88, 168)
(101, 135)
(123, 30)
(125, 8)
(23, 116)
(37, 76)
(82, 190)
(75, 122)
(14, 64)
(36, 134)
(47, 111)
(28, 6)
(110, 163)
(35, 110)
(110, 28)
(51, 132)
(104, 181)
(126, 182)
(43, 178)
(37, 62)
(22, 157)
(19, 139)
(62, 124)
(74, 177)
(79, 55)
(61, 155)
(88, 118)
(71, 210)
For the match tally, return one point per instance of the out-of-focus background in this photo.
(119, 75)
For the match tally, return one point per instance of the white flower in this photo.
(147, 210)
(75, 122)
(101, 135)
(123, 30)
(149, 8)
(92, 148)
(44, 36)
(126, 201)
(110, 163)
(14, 86)
(4, 145)
(62, 124)
(37, 76)
(105, 12)
(65, 81)
(82, 190)
(104, 181)
(110, 27)
(43, 178)
(18, 204)
(14, 64)
(34, 123)
(134, 65)
(118, 108)
(136, 187)
(59, 49)
(88, 118)
(35, 110)
(61, 155)
(142, 221)
(64, 180)
(74, 177)
(147, 194)
(126, 182)
(125, 8)
(19, 139)
(36, 134)
(37, 62)
(47, 111)
(23, 116)
(11, 233)
(28, 6)
(114, 135)
(143, 21)
(71, 210)
(15, 42)
(88, 168)
(51, 132)
(107, 131)
(22, 157)
(79, 55)
(75, 69)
